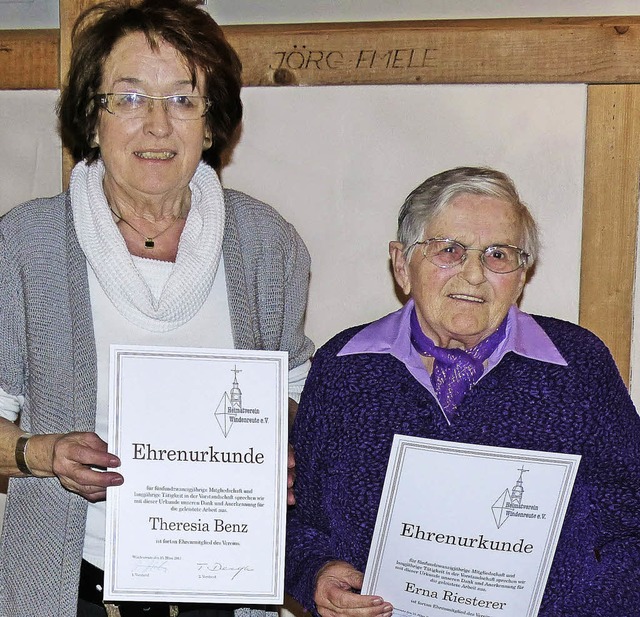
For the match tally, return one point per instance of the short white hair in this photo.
(429, 199)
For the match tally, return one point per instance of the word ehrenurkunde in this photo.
(410, 530)
(145, 452)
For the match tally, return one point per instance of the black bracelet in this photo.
(21, 451)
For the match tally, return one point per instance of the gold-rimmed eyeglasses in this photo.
(498, 258)
(137, 105)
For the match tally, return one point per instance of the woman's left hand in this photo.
(336, 587)
(77, 459)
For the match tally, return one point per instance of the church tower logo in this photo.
(510, 501)
(230, 410)
(230, 405)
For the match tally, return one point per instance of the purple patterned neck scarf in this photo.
(454, 370)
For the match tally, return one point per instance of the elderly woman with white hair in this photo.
(461, 362)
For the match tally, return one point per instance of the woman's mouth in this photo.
(466, 298)
(155, 155)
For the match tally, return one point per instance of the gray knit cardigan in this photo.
(48, 355)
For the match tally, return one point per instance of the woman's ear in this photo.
(524, 275)
(208, 140)
(400, 266)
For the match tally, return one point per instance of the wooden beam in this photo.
(29, 59)
(569, 50)
(610, 217)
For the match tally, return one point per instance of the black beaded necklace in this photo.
(149, 241)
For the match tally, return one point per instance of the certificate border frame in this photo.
(399, 449)
(275, 595)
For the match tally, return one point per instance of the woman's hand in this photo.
(335, 596)
(76, 460)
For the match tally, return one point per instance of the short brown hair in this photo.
(180, 23)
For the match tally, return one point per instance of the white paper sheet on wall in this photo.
(30, 156)
(338, 162)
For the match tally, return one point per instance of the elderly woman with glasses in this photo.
(145, 248)
(460, 362)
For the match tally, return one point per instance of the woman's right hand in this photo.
(76, 459)
(335, 595)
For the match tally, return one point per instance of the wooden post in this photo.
(69, 12)
(610, 217)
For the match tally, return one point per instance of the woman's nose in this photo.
(157, 121)
(473, 268)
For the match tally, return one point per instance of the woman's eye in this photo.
(452, 249)
(182, 101)
(129, 99)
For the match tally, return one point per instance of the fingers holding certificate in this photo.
(337, 593)
(202, 436)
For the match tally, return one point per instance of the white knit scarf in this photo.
(196, 263)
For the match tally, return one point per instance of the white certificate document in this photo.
(466, 529)
(202, 437)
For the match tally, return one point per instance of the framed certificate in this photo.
(467, 529)
(202, 438)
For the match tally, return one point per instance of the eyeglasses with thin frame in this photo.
(498, 258)
(137, 105)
